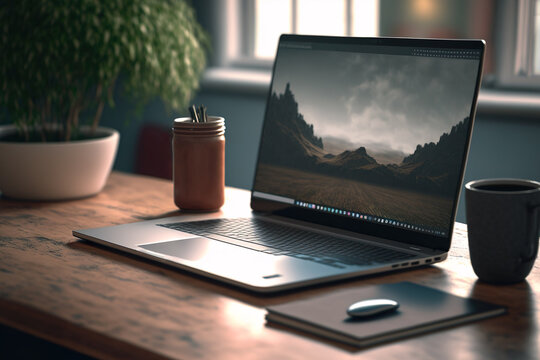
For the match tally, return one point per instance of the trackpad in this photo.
(190, 249)
(236, 263)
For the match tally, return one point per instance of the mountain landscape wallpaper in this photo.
(368, 141)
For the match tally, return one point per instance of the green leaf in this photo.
(59, 51)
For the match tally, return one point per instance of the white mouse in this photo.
(371, 307)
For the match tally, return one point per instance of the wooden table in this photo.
(107, 304)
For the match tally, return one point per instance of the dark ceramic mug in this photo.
(503, 220)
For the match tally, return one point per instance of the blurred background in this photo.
(506, 137)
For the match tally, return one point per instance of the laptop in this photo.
(359, 170)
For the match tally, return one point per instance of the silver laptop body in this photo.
(364, 145)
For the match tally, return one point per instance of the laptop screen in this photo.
(371, 131)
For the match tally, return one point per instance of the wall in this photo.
(503, 146)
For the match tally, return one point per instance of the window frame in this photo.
(515, 48)
(246, 19)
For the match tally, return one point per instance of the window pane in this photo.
(272, 18)
(537, 40)
(365, 18)
(321, 17)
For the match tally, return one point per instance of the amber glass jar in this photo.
(199, 164)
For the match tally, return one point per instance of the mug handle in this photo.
(534, 218)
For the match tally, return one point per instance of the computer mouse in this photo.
(371, 307)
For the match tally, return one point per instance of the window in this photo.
(527, 61)
(315, 17)
(265, 20)
(519, 44)
(511, 29)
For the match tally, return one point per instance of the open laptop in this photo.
(360, 166)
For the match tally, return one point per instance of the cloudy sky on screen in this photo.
(391, 101)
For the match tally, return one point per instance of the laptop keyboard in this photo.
(278, 239)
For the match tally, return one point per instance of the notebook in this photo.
(421, 309)
(359, 169)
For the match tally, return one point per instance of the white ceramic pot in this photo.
(56, 170)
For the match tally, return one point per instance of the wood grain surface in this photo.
(107, 304)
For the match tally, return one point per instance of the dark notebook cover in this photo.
(421, 309)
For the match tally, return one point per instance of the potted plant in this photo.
(60, 63)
